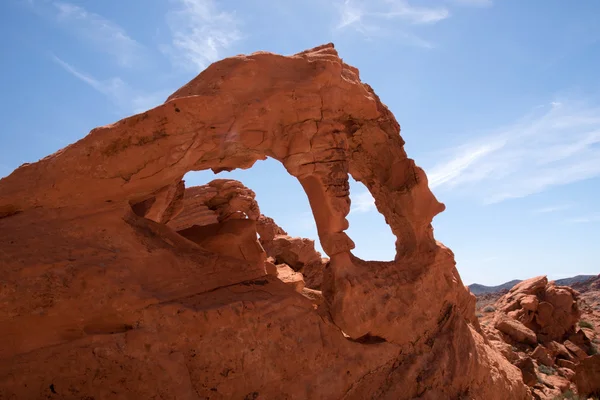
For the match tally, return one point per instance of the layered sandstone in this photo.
(536, 325)
(111, 291)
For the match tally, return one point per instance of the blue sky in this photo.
(499, 101)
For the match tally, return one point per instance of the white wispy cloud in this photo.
(200, 32)
(370, 16)
(594, 217)
(473, 3)
(103, 34)
(557, 145)
(119, 92)
(362, 202)
(551, 209)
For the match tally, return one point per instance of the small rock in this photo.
(288, 276)
(527, 367)
(542, 355)
(576, 350)
(529, 302)
(515, 330)
(587, 376)
(566, 364)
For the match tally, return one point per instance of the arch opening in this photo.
(216, 211)
(371, 234)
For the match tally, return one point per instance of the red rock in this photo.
(544, 314)
(580, 339)
(566, 363)
(530, 286)
(550, 311)
(515, 330)
(527, 367)
(218, 201)
(542, 355)
(270, 266)
(98, 300)
(233, 238)
(313, 295)
(529, 302)
(558, 382)
(559, 350)
(288, 276)
(566, 373)
(587, 376)
(575, 350)
(299, 254)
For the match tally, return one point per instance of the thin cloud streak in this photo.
(473, 3)
(559, 146)
(551, 209)
(104, 34)
(121, 94)
(370, 18)
(200, 33)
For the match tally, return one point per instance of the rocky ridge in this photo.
(118, 282)
(538, 326)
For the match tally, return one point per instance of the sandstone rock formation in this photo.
(535, 326)
(112, 290)
(550, 311)
(297, 253)
(587, 376)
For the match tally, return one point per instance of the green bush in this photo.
(567, 395)
(489, 309)
(585, 324)
(546, 370)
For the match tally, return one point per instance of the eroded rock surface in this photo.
(298, 253)
(112, 289)
(538, 324)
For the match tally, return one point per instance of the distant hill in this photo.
(478, 289)
(482, 289)
(575, 279)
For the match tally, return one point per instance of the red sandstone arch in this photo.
(311, 112)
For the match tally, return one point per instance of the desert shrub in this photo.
(567, 395)
(546, 370)
(489, 309)
(479, 315)
(585, 324)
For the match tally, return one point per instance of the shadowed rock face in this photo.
(102, 297)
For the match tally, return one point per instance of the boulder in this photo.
(557, 382)
(566, 364)
(575, 350)
(550, 311)
(566, 373)
(529, 302)
(516, 330)
(542, 355)
(587, 376)
(559, 350)
(288, 276)
(527, 367)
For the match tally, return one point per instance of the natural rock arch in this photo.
(311, 112)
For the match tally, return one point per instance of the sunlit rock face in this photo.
(113, 288)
